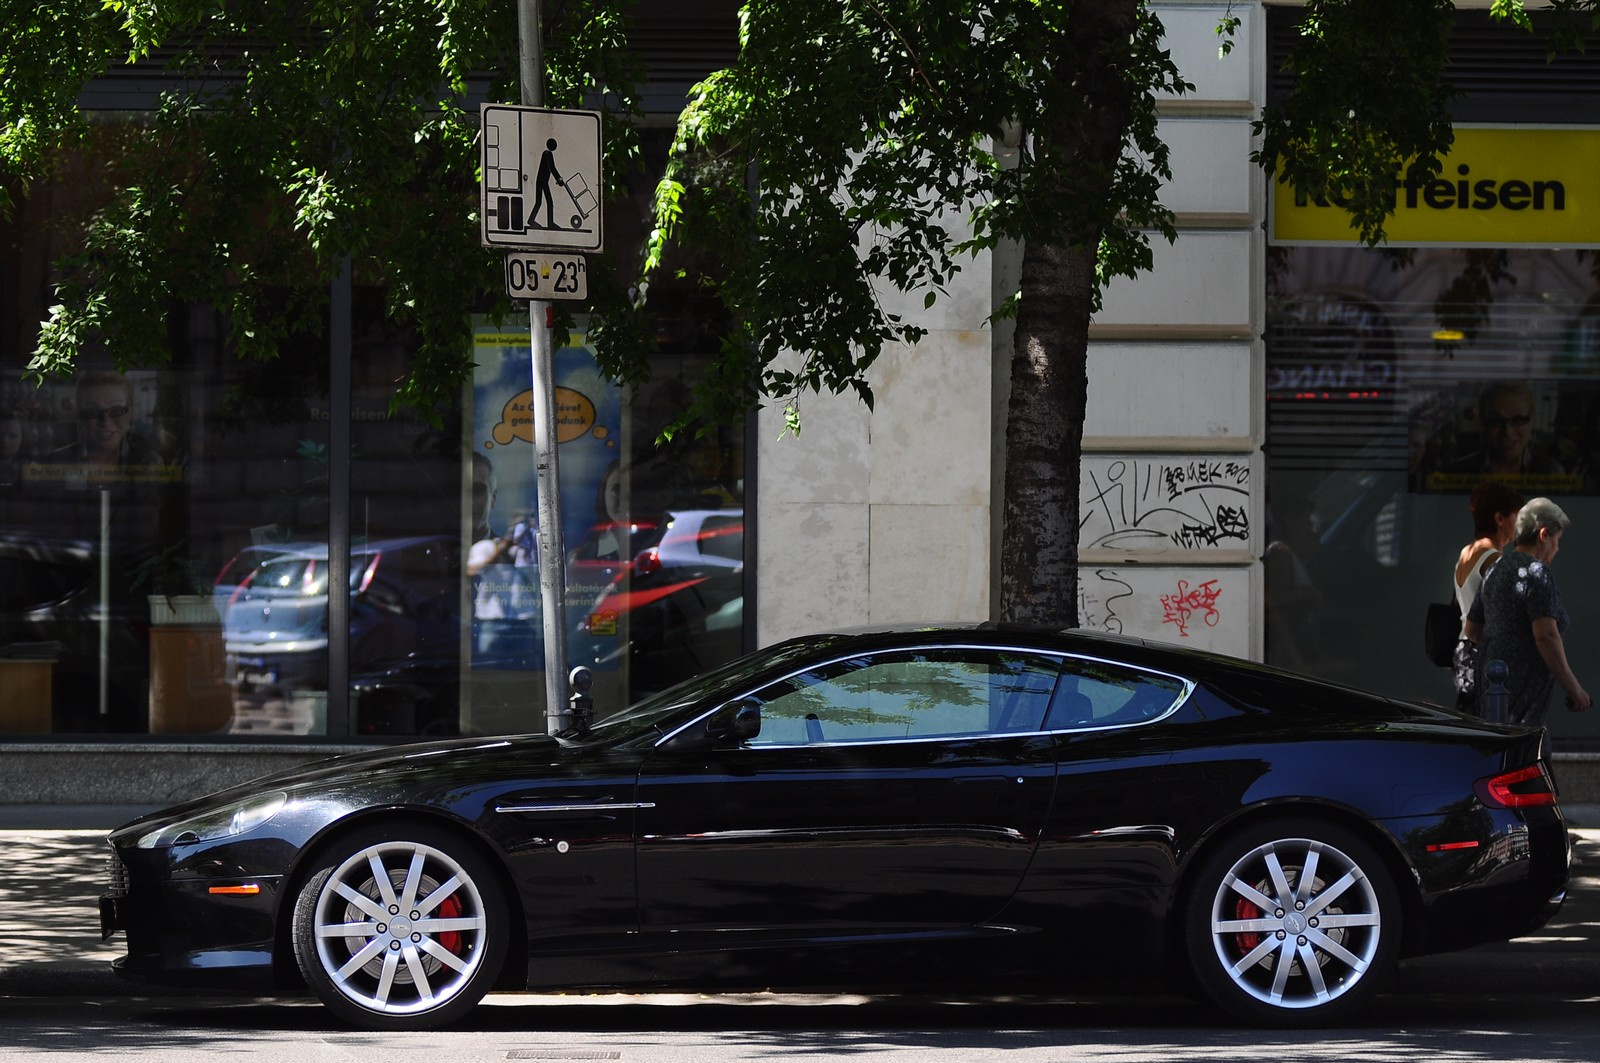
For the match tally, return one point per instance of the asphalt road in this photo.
(1521, 1024)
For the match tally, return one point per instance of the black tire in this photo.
(1272, 952)
(427, 962)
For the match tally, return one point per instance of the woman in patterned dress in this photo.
(1518, 618)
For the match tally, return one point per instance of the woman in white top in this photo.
(1494, 519)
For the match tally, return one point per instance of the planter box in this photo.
(188, 690)
(25, 693)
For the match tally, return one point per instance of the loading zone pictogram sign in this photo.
(541, 177)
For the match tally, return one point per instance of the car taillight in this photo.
(647, 562)
(369, 575)
(1529, 787)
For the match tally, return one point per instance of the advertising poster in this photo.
(503, 556)
(1541, 437)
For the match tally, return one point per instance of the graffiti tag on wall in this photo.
(1208, 609)
(1191, 604)
(1165, 503)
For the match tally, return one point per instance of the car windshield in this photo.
(293, 575)
(647, 719)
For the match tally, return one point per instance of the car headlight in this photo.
(225, 821)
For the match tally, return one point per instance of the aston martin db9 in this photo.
(1014, 806)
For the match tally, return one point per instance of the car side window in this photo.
(723, 537)
(1097, 694)
(934, 693)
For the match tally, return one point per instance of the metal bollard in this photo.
(1496, 696)
(580, 706)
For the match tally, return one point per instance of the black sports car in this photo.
(979, 802)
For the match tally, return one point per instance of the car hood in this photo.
(530, 750)
(458, 758)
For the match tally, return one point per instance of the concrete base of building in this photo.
(153, 774)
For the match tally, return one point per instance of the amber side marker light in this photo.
(1528, 787)
(249, 889)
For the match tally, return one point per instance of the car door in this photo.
(1104, 873)
(897, 791)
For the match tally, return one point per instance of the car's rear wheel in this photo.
(401, 927)
(1292, 923)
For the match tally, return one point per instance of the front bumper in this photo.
(188, 924)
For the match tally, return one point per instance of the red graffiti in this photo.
(1181, 607)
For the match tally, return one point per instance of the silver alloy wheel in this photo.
(1296, 923)
(399, 928)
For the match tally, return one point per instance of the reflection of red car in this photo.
(681, 604)
(678, 624)
(606, 553)
(696, 540)
(693, 545)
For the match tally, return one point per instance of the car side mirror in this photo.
(740, 721)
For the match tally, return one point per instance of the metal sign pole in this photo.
(552, 551)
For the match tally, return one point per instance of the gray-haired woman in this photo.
(1518, 618)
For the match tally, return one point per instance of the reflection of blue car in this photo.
(404, 601)
(241, 566)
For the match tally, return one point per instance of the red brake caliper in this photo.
(1246, 940)
(450, 908)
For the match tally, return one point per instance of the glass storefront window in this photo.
(172, 549)
(1397, 381)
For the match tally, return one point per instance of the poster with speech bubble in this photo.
(588, 438)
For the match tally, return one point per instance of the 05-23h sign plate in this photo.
(531, 275)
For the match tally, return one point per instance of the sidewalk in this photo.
(49, 901)
(56, 861)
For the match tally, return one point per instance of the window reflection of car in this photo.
(606, 551)
(692, 538)
(696, 539)
(240, 567)
(678, 624)
(50, 609)
(404, 602)
(680, 607)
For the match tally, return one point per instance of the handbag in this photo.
(1440, 632)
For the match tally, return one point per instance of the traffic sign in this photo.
(541, 177)
(534, 276)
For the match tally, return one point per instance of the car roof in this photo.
(1149, 653)
(697, 517)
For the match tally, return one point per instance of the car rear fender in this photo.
(1383, 843)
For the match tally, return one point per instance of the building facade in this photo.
(1270, 389)
(170, 536)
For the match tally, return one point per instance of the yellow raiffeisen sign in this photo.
(1520, 186)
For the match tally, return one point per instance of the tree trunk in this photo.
(1044, 438)
(1049, 367)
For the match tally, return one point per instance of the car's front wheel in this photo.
(400, 927)
(1292, 923)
